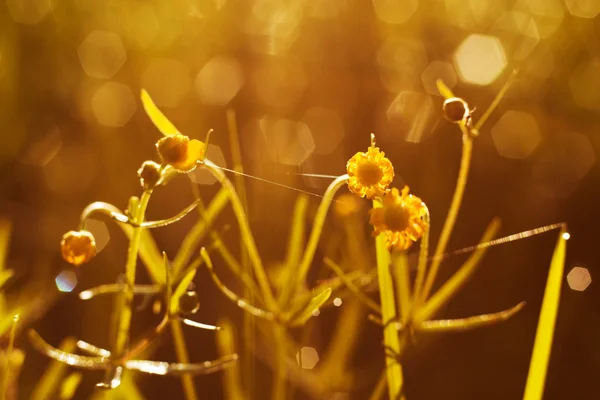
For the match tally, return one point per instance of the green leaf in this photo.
(181, 289)
(444, 90)
(300, 317)
(163, 124)
(451, 287)
(542, 347)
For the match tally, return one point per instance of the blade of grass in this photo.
(189, 389)
(9, 351)
(458, 280)
(231, 376)
(542, 346)
(294, 251)
(70, 385)
(300, 317)
(444, 90)
(191, 241)
(250, 291)
(159, 120)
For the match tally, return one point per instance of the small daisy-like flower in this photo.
(370, 173)
(180, 152)
(78, 247)
(400, 219)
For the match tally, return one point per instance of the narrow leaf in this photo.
(444, 90)
(181, 289)
(317, 301)
(542, 347)
(158, 118)
(458, 280)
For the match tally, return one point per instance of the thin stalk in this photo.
(315, 235)
(280, 378)
(245, 233)
(182, 357)
(391, 340)
(130, 268)
(400, 262)
(249, 292)
(422, 264)
(9, 350)
(461, 183)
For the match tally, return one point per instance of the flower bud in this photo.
(456, 109)
(149, 174)
(78, 247)
(180, 152)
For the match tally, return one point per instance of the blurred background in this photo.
(309, 80)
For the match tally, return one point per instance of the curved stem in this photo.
(315, 235)
(246, 234)
(423, 255)
(452, 214)
(130, 268)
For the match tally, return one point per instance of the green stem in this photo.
(452, 214)
(246, 234)
(182, 357)
(130, 267)
(388, 312)
(9, 350)
(422, 265)
(280, 381)
(315, 235)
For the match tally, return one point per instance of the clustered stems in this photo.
(130, 269)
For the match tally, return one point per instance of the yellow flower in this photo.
(180, 152)
(370, 173)
(78, 247)
(400, 219)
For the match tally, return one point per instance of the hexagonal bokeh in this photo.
(579, 279)
(400, 62)
(560, 168)
(326, 127)
(113, 104)
(516, 134)
(28, 11)
(548, 15)
(201, 175)
(480, 59)
(438, 70)
(102, 54)
(167, 81)
(66, 281)
(583, 8)
(307, 357)
(585, 84)
(395, 12)
(519, 32)
(141, 24)
(219, 80)
(287, 141)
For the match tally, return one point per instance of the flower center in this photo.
(396, 218)
(369, 173)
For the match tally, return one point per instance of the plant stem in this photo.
(130, 268)
(313, 240)
(391, 340)
(246, 234)
(9, 350)
(461, 183)
(280, 378)
(182, 356)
